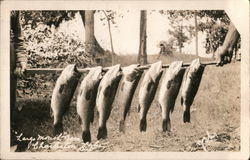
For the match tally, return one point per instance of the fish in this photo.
(128, 85)
(169, 90)
(190, 86)
(105, 98)
(86, 100)
(147, 92)
(62, 95)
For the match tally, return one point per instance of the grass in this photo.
(216, 110)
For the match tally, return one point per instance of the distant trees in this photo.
(215, 23)
(142, 55)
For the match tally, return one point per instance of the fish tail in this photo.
(102, 133)
(86, 136)
(143, 125)
(166, 125)
(186, 116)
(57, 129)
(122, 126)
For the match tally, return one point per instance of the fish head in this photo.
(132, 72)
(175, 68)
(195, 65)
(70, 71)
(112, 73)
(115, 71)
(96, 73)
(155, 70)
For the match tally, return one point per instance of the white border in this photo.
(238, 10)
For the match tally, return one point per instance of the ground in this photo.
(215, 118)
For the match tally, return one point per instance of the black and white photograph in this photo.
(126, 79)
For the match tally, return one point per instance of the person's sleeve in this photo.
(20, 51)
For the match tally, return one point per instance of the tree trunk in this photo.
(180, 51)
(98, 47)
(225, 52)
(142, 55)
(196, 33)
(110, 36)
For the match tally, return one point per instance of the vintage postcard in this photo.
(125, 79)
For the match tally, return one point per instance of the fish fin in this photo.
(92, 115)
(98, 91)
(182, 100)
(61, 88)
(102, 133)
(88, 94)
(51, 112)
(57, 129)
(86, 136)
(108, 113)
(122, 126)
(128, 113)
(143, 125)
(107, 91)
(186, 116)
(166, 125)
(122, 86)
(159, 105)
(79, 120)
(169, 84)
(138, 108)
(131, 77)
(80, 94)
(150, 84)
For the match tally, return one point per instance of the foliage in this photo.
(178, 28)
(168, 46)
(48, 48)
(213, 22)
(49, 18)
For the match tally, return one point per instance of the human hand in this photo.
(20, 69)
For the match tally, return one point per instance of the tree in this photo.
(215, 23)
(109, 16)
(178, 34)
(196, 33)
(142, 55)
(89, 34)
(98, 47)
(55, 18)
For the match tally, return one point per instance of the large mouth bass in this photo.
(62, 95)
(128, 84)
(147, 92)
(105, 97)
(86, 100)
(169, 90)
(190, 86)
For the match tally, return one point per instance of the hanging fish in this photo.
(147, 92)
(105, 97)
(62, 95)
(169, 90)
(190, 86)
(86, 100)
(129, 82)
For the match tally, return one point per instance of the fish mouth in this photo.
(158, 66)
(195, 65)
(96, 73)
(176, 66)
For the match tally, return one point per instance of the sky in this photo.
(125, 33)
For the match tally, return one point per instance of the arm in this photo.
(21, 59)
